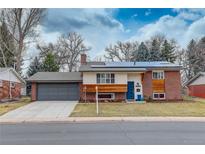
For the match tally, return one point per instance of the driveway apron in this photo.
(42, 109)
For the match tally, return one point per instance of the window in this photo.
(158, 95)
(158, 75)
(1, 83)
(105, 78)
(106, 96)
(12, 84)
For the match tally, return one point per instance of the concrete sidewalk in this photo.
(101, 119)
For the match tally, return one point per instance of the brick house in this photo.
(196, 85)
(11, 84)
(115, 81)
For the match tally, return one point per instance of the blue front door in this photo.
(130, 90)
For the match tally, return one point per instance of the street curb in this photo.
(102, 119)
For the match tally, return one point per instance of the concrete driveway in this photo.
(42, 110)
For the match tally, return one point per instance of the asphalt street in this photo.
(106, 133)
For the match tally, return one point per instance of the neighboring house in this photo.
(11, 84)
(117, 81)
(196, 85)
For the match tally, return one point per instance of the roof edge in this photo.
(193, 78)
(16, 74)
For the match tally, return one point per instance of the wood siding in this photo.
(105, 87)
(158, 85)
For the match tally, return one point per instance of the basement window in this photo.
(1, 83)
(158, 96)
(106, 96)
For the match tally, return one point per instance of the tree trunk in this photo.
(19, 56)
(4, 60)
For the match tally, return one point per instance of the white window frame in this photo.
(112, 96)
(12, 84)
(159, 97)
(104, 77)
(159, 76)
(1, 83)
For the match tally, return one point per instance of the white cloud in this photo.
(98, 27)
(173, 27)
(190, 14)
(63, 20)
(134, 16)
(148, 12)
(196, 29)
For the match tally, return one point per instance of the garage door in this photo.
(58, 91)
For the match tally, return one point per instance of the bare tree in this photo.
(46, 49)
(159, 37)
(70, 47)
(22, 25)
(199, 63)
(192, 59)
(121, 51)
(67, 50)
(7, 47)
(182, 61)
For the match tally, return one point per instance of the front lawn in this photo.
(196, 99)
(183, 108)
(8, 106)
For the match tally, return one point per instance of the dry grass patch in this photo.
(183, 108)
(196, 99)
(8, 106)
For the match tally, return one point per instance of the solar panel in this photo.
(138, 64)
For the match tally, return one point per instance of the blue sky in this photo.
(100, 27)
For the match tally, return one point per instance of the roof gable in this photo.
(197, 79)
(4, 70)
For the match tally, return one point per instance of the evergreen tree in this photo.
(34, 67)
(168, 52)
(49, 64)
(142, 54)
(154, 54)
(191, 59)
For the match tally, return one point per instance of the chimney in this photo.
(83, 59)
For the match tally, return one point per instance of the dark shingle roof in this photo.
(56, 77)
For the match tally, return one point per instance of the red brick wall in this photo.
(83, 59)
(172, 85)
(197, 90)
(147, 84)
(15, 92)
(33, 91)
